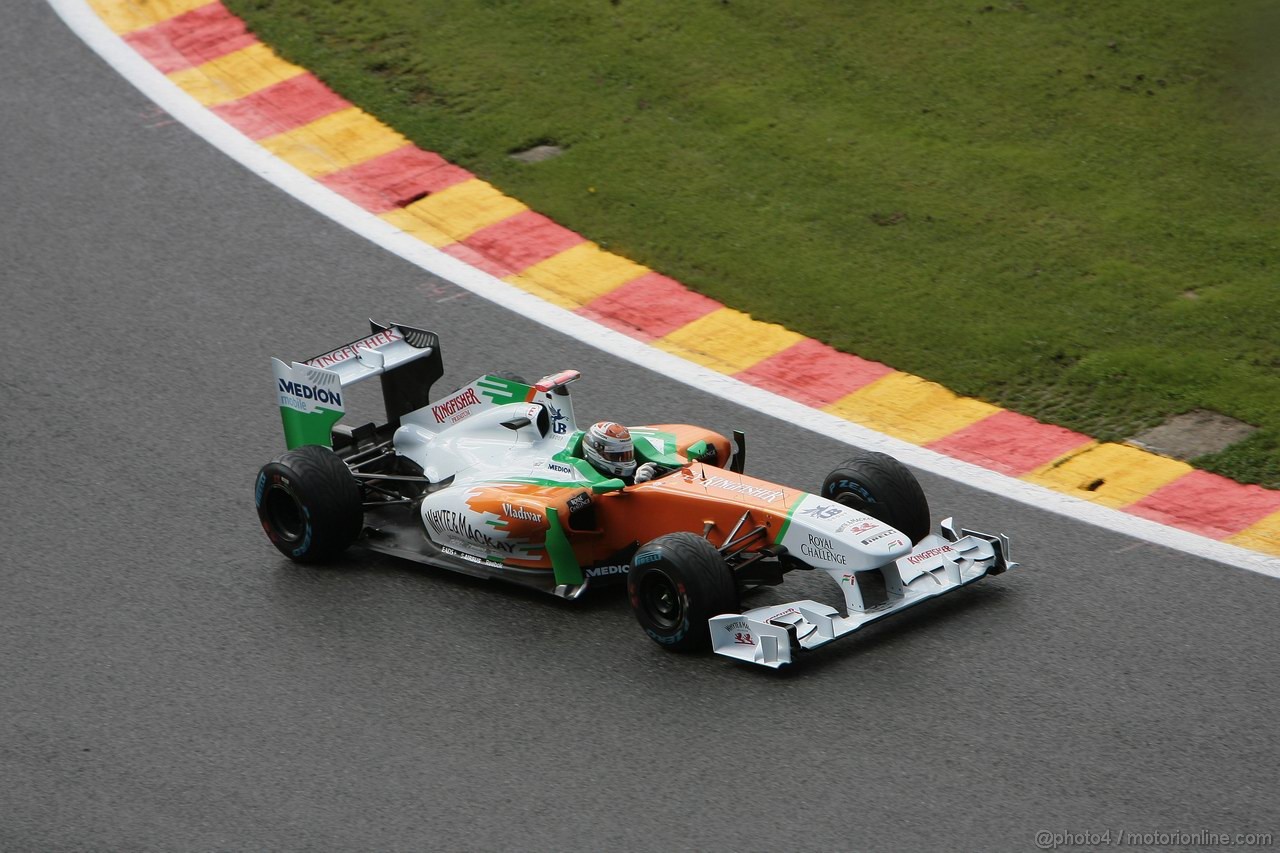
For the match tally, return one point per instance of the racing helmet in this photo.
(608, 446)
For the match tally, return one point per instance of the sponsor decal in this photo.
(447, 522)
(456, 407)
(930, 554)
(763, 493)
(601, 571)
(307, 392)
(520, 512)
(849, 579)
(559, 423)
(739, 625)
(823, 511)
(788, 612)
(556, 466)
(875, 536)
(744, 639)
(647, 557)
(853, 528)
(350, 351)
(578, 501)
(471, 558)
(821, 548)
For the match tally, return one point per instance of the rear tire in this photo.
(676, 583)
(883, 488)
(309, 504)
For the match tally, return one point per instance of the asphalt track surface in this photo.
(169, 682)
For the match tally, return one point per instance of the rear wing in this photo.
(311, 392)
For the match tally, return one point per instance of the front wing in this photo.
(939, 564)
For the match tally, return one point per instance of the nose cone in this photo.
(829, 535)
(885, 542)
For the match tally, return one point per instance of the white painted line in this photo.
(89, 27)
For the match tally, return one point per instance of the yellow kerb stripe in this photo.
(337, 141)
(232, 77)
(1262, 536)
(910, 408)
(125, 16)
(577, 275)
(406, 220)
(1113, 475)
(464, 208)
(728, 341)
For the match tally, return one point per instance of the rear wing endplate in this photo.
(311, 392)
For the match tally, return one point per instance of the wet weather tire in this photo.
(309, 504)
(883, 488)
(676, 583)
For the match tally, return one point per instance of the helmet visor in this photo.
(616, 454)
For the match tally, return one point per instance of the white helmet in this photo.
(608, 446)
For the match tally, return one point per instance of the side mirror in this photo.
(517, 423)
(739, 460)
(612, 485)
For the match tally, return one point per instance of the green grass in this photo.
(1070, 210)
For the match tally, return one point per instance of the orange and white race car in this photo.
(493, 480)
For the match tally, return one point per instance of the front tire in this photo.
(883, 488)
(309, 504)
(676, 583)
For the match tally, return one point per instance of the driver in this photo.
(609, 448)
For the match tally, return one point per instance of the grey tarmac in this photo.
(169, 682)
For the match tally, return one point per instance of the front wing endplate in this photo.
(939, 564)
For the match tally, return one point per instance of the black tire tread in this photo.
(709, 585)
(899, 500)
(324, 485)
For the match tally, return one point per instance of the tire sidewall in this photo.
(640, 577)
(275, 483)
(698, 579)
(322, 511)
(882, 487)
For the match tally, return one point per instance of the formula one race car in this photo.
(491, 480)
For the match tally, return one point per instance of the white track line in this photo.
(89, 27)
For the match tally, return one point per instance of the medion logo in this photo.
(311, 392)
(601, 571)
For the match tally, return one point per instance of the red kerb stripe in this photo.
(813, 373)
(1010, 443)
(522, 240)
(396, 179)
(288, 104)
(1208, 504)
(192, 38)
(649, 307)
